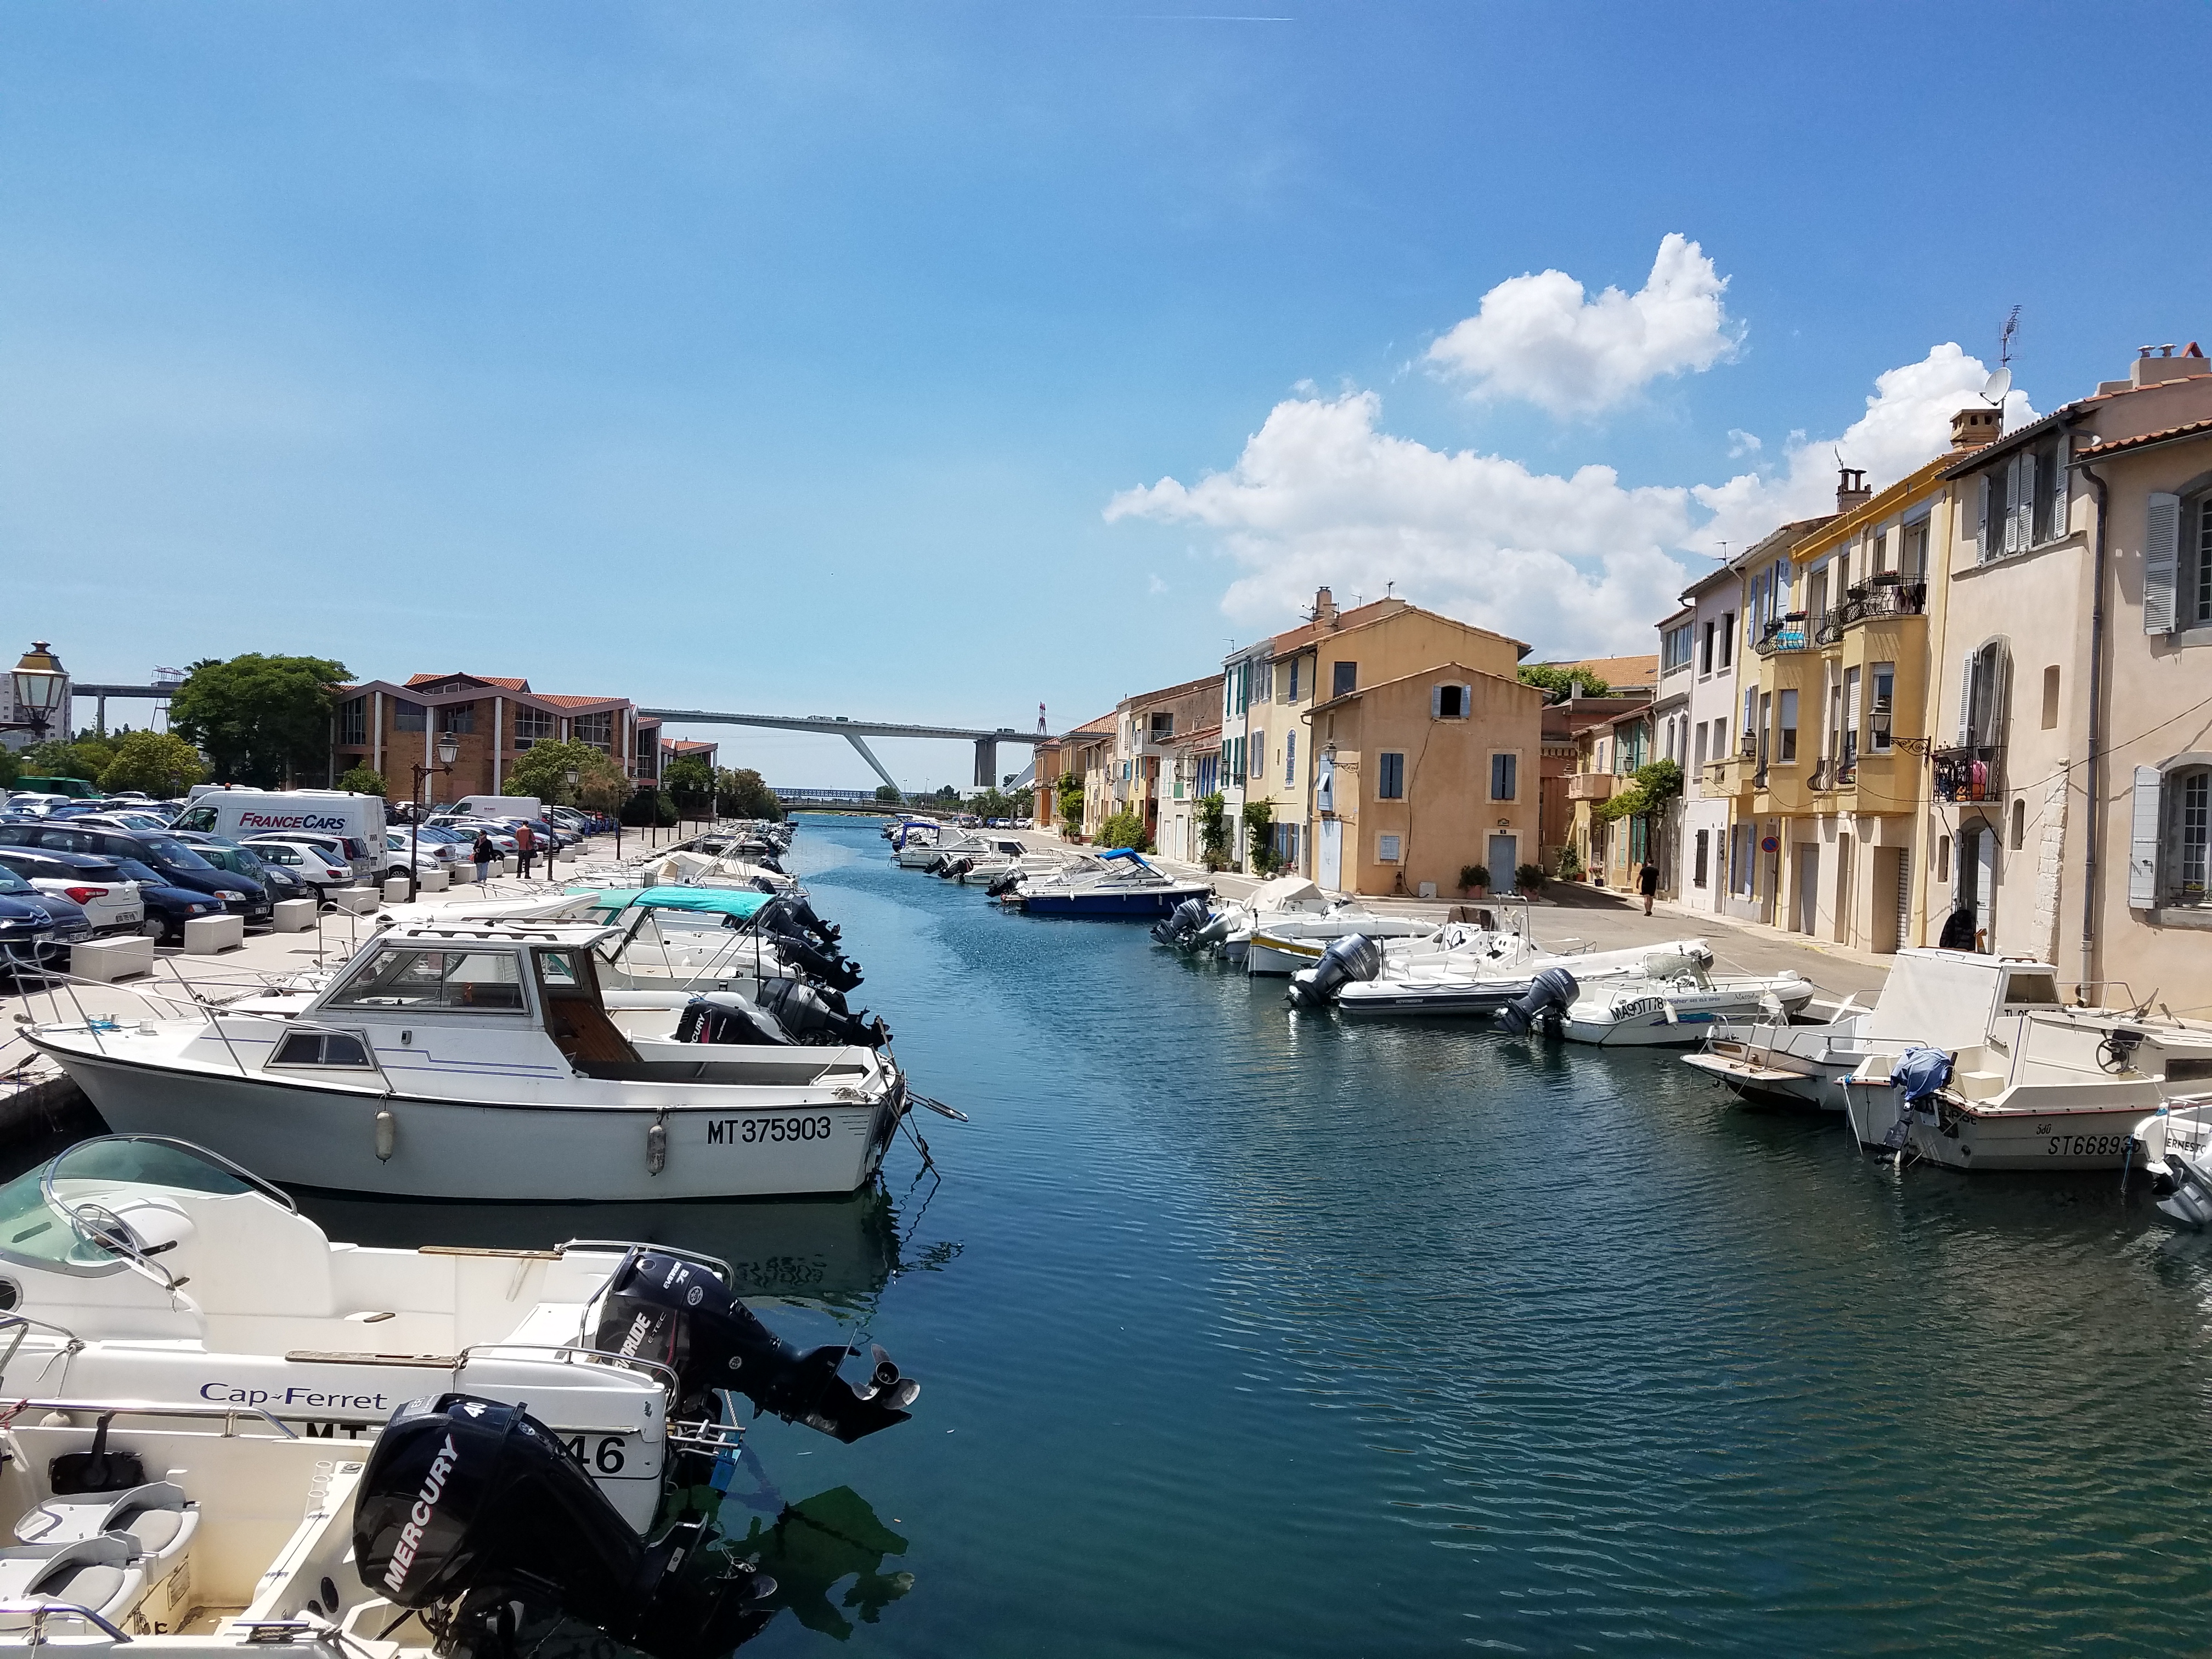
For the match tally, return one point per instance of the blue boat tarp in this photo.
(714, 901)
(1128, 853)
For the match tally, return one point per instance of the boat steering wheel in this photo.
(98, 1224)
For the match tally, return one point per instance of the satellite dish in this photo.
(1994, 388)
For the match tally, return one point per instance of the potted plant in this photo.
(1570, 863)
(1473, 880)
(1529, 879)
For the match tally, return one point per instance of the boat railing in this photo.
(193, 1411)
(714, 1264)
(570, 1354)
(39, 1609)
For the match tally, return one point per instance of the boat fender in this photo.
(656, 1144)
(1547, 998)
(388, 1133)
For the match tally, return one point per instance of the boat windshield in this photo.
(434, 976)
(34, 1225)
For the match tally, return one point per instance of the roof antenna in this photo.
(2004, 338)
(1389, 588)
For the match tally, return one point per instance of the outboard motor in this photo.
(790, 912)
(952, 870)
(679, 1314)
(472, 1505)
(811, 1018)
(767, 861)
(839, 973)
(726, 1016)
(1176, 927)
(1354, 957)
(1003, 883)
(1547, 998)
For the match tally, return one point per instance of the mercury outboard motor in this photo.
(1547, 998)
(679, 1314)
(812, 1019)
(726, 1016)
(473, 1505)
(1003, 883)
(1354, 957)
(1176, 927)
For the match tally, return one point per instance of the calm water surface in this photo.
(1240, 1333)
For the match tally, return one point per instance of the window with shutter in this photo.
(2024, 494)
(2162, 551)
(2058, 516)
(1982, 550)
(2196, 593)
(1291, 757)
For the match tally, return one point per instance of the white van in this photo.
(237, 814)
(498, 806)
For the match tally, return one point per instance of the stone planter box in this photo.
(207, 936)
(433, 881)
(292, 916)
(509, 864)
(361, 901)
(109, 959)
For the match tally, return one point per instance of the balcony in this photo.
(1589, 786)
(1865, 604)
(1783, 633)
(1975, 773)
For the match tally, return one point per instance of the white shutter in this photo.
(2142, 841)
(1436, 703)
(2023, 501)
(2059, 525)
(2162, 550)
(2001, 698)
(1982, 524)
(2012, 537)
(1966, 702)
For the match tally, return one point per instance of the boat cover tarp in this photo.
(717, 901)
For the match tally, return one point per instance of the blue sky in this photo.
(811, 358)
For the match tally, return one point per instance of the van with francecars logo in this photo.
(242, 814)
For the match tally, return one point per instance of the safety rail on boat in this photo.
(572, 1355)
(229, 1414)
(41, 1610)
(722, 1269)
(23, 1324)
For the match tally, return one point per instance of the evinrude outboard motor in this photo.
(679, 1314)
(839, 973)
(794, 907)
(812, 1018)
(1354, 957)
(471, 1505)
(1176, 927)
(1547, 998)
(1002, 884)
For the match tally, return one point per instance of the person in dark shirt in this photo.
(1648, 883)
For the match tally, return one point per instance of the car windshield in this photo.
(242, 860)
(170, 850)
(12, 883)
(137, 872)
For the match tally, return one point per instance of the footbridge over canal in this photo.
(857, 733)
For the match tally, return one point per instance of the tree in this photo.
(11, 768)
(948, 794)
(744, 793)
(1259, 838)
(890, 795)
(1125, 829)
(1650, 788)
(259, 718)
(161, 764)
(361, 780)
(1559, 683)
(1069, 790)
(542, 773)
(690, 779)
(1021, 801)
(1213, 831)
(82, 757)
(990, 804)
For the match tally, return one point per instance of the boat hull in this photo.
(1966, 1138)
(305, 1136)
(1774, 1078)
(1140, 905)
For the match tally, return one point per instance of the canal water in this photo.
(1243, 1333)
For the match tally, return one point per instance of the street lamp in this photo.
(40, 682)
(449, 749)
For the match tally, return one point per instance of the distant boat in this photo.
(1117, 883)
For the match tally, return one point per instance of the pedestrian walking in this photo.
(1648, 883)
(484, 853)
(525, 844)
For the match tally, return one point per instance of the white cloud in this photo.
(1321, 497)
(1540, 337)
(1575, 565)
(1742, 443)
(1907, 423)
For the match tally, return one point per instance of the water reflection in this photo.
(810, 1547)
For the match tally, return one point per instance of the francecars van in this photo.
(242, 814)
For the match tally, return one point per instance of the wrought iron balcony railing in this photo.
(1975, 772)
(1875, 600)
(1783, 633)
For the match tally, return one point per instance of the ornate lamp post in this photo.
(40, 682)
(449, 749)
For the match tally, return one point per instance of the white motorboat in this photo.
(199, 1385)
(485, 1062)
(1115, 884)
(1642, 1010)
(1478, 970)
(1293, 935)
(2045, 1087)
(2174, 1144)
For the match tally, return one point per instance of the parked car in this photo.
(320, 867)
(178, 865)
(108, 898)
(26, 934)
(503, 836)
(279, 883)
(130, 820)
(34, 804)
(403, 851)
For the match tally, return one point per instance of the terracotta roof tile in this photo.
(572, 702)
(502, 683)
(2191, 429)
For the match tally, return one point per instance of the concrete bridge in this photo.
(856, 732)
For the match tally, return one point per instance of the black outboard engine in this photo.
(812, 1018)
(794, 905)
(1354, 957)
(1177, 928)
(679, 1314)
(1547, 998)
(471, 1505)
(838, 972)
(953, 869)
(767, 861)
(726, 1016)
(1002, 884)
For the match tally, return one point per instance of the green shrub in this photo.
(1530, 878)
(1474, 875)
(1125, 829)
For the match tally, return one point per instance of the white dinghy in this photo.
(483, 1062)
(1645, 1011)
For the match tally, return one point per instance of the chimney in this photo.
(1325, 607)
(2148, 370)
(1972, 427)
(1851, 492)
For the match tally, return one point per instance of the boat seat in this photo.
(96, 1574)
(157, 1518)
